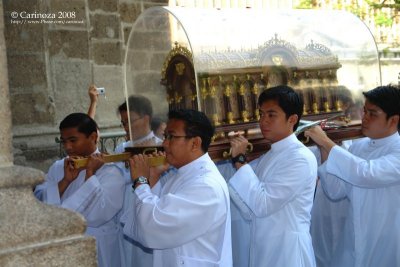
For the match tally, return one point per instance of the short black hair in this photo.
(122, 107)
(141, 105)
(81, 121)
(288, 100)
(387, 97)
(155, 123)
(196, 124)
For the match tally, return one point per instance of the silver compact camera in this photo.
(101, 90)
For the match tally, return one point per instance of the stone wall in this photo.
(33, 233)
(6, 157)
(51, 64)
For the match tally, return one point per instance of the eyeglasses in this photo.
(169, 137)
(125, 123)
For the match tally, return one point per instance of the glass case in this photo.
(219, 60)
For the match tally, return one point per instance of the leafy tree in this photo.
(380, 18)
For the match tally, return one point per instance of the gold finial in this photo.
(216, 119)
(326, 107)
(242, 90)
(227, 91)
(245, 116)
(338, 105)
(229, 117)
(315, 108)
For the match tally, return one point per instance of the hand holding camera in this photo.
(101, 91)
(94, 93)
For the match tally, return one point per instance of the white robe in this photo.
(133, 253)
(327, 219)
(188, 223)
(241, 218)
(278, 188)
(99, 200)
(369, 176)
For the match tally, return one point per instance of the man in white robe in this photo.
(140, 115)
(278, 187)
(327, 224)
(327, 218)
(241, 219)
(96, 191)
(188, 222)
(368, 175)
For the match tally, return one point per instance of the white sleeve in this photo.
(47, 192)
(173, 219)
(381, 172)
(265, 199)
(100, 197)
(227, 170)
(333, 187)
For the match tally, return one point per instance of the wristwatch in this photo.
(241, 158)
(140, 180)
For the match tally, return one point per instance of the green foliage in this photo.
(356, 10)
(383, 20)
(305, 4)
(375, 4)
(380, 18)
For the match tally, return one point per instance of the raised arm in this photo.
(94, 96)
(380, 172)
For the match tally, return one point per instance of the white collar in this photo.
(149, 136)
(282, 144)
(194, 164)
(382, 141)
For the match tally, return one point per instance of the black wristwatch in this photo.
(140, 180)
(241, 158)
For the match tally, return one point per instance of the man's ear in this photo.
(147, 118)
(196, 143)
(93, 137)
(394, 121)
(293, 119)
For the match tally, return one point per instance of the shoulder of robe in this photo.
(113, 166)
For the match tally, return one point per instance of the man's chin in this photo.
(267, 138)
(75, 155)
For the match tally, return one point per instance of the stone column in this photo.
(6, 158)
(32, 233)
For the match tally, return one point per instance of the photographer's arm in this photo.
(94, 96)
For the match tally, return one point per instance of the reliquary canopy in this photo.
(219, 61)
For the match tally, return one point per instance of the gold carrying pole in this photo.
(153, 161)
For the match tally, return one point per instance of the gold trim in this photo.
(177, 50)
(153, 161)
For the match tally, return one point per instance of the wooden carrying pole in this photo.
(153, 161)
